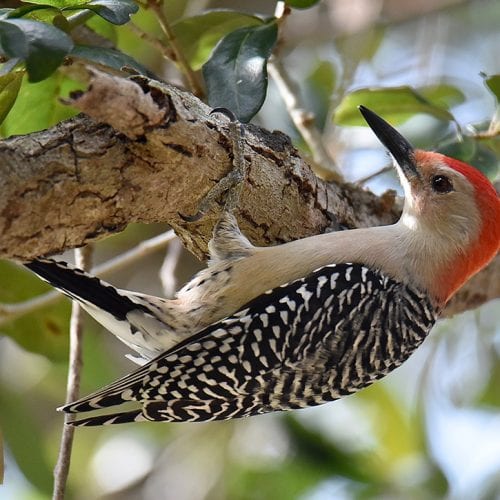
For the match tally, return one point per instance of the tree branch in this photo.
(158, 155)
(147, 152)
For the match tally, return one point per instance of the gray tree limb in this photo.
(146, 152)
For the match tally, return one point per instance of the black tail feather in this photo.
(81, 286)
(110, 419)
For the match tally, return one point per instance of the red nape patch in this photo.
(486, 196)
(487, 244)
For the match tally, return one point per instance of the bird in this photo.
(264, 329)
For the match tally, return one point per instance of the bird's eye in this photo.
(441, 184)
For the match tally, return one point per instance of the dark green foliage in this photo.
(236, 73)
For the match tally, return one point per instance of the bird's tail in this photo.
(114, 418)
(83, 287)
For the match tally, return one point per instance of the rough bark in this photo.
(146, 152)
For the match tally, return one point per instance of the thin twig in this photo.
(61, 471)
(324, 165)
(10, 312)
(303, 119)
(364, 180)
(154, 42)
(493, 130)
(179, 57)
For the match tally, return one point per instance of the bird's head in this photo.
(451, 206)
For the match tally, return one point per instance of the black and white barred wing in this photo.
(301, 344)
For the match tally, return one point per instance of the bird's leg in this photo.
(232, 183)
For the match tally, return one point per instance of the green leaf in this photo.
(29, 11)
(9, 89)
(59, 4)
(493, 83)
(442, 95)
(320, 85)
(301, 4)
(236, 73)
(38, 106)
(42, 46)
(114, 11)
(107, 57)
(198, 35)
(396, 104)
(43, 13)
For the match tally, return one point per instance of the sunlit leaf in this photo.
(35, 12)
(198, 35)
(42, 46)
(396, 104)
(236, 73)
(38, 106)
(44, 14)
(60, 4)
(9, 89)
(114, 11)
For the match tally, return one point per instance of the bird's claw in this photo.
(231, 183)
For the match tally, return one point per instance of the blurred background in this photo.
(429, 430)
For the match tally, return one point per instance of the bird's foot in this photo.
(232, 183)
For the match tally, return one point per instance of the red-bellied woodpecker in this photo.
(303, 323)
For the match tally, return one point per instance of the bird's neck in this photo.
(409, 253)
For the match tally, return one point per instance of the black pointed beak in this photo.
(402, 151)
